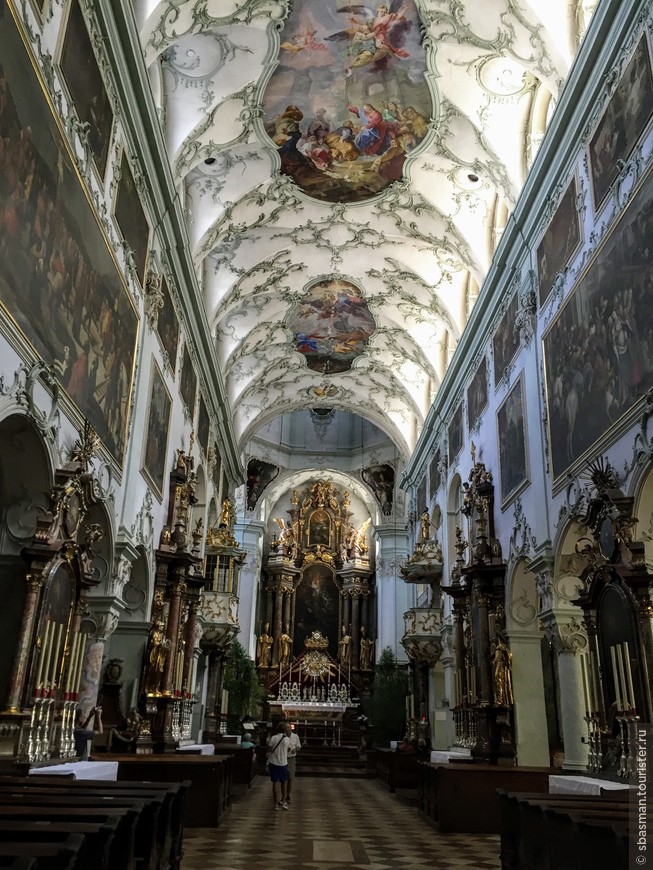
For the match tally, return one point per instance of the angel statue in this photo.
(226, 515)
(361, 536)
(287, 537)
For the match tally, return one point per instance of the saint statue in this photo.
(345, 648)
(502, 672)
(285, 647)
(366, 651)
(424, 526)
(264, 648)
(226, 515)
(158, 650)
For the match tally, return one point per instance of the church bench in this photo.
(462, 798)
(244, 766)
(49, 856)
(540, 832)
(95, 850)
(209, 778)
(396, 769)
(138, 836)
(171, 815)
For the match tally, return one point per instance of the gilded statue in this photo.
(226, 515)
(502, 672)
(285, 647)
(158, 646)
(264, 647)
(344, 654)
(361, 536)
(366, 651)
(425, 526)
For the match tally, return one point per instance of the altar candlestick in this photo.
(72, 655)
(81, 649)
(615, 677)
(42, 653)
(590, 685)
(629, 674)
(55, 661)
(583, 674)
(622, 675)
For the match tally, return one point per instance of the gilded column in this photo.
(172, 632)
(346, 612)
(355, 630)
(25, 643)
(286, 610)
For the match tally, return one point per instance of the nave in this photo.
(332, 824)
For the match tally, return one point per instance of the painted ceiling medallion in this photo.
(331, 326)
(349, 99)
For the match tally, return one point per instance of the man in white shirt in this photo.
(278, 746)
(293, 749)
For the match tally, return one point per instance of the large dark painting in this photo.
(559, 242)
(168, 325)
(505, 342)
(259, 475)
(58, 280)
(188, 383)
(319, 529)
(156, 438)
(477, 397)
(203, 425)
(131, 217)
(435, 476)
(599, 351)
(455, 433)
(332, 326)
(84, 81)
(513, 459)
(316, 607)
(623, 122)
(349, 100)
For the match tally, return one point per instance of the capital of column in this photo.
(565, 632)
(101, 617)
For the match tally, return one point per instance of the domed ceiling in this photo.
(347, 170)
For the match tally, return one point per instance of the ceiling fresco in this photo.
(348, 101)
(410, 218)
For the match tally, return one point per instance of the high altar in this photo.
(315, 650)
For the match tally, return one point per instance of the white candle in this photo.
(615, 677)
(595, 683)
(42, 654)
(629, 675)
(72, 655)
(81, 649)
(622, 675)
(55, 658)
(583, 674)
(48, 653)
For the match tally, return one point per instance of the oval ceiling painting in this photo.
(331, 326)
(349, 99)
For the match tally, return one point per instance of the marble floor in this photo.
(332, 824)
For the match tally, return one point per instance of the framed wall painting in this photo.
(505, 342)
(477, 395)
(435, 475)
(455, 433)
(626, 117)
(188, 382)
(598, 352)
(86, 87)
(513, 456)
(130, 216)
(87, 327)
(203, 425)
(167, 325)
(559, 243)
(155, 446)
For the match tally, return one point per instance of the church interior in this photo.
(349, 435)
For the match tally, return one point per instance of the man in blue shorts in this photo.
(278, 763)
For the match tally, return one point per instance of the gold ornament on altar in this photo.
(502, 673)
(320, 555)
(316, 640)
(317, 664)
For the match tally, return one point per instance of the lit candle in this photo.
(42, 653)
(55, 658)
(615, 677)
(629, 674)
(622, 676)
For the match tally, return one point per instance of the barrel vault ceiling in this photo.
(417, 251)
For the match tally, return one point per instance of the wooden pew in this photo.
(95, 850)
(574, 832)
(396, 769)
(244, 762)
(462, 798)
(210, 778)
(173, 795)
(49, 856)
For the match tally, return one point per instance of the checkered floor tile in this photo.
(333, 824)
